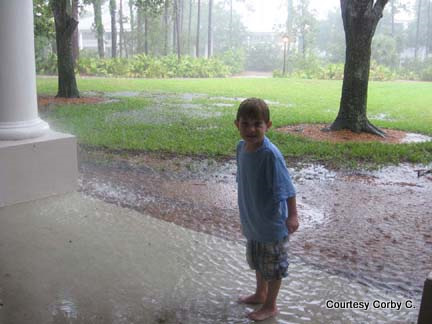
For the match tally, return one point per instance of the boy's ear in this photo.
(236, 122)
(269, 124)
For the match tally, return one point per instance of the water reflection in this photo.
(351, 229)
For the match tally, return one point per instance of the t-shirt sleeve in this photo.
(237, 160)
(280, 179)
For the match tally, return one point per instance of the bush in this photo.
(143, 66)
(47, 65)
(263, 57)
(234, 59)
(426, 74)
(311, 68)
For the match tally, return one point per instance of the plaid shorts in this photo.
(270, 259)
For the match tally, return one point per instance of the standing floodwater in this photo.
(370, 228)
(74, 259)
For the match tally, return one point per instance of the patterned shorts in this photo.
(270, 259)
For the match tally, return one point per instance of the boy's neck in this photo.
(252, 147)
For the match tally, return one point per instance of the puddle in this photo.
(416, 138)
(64, 308)
(167, 114)
(124, 267)
(125, 94)
(381, 116)
(353, 224)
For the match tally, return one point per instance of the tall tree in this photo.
(146, 10)
(122, 38)
(98, 25)
(174, 25)
(132, 26)
(44, 30)
(360, 18)
(65, 25)
(177, 28)
(166, 27)
(75, 36)
(209, 37)
(429, 29)
(197, 49)
(304, 22)
(417, 37)
(113, 13)
(189, 27)
(139, 29)
(231, 24)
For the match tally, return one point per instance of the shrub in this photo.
(47, 65)
(143, 66)
(234, 59)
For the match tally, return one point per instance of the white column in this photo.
(18, 101)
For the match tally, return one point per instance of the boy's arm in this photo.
(292, 221)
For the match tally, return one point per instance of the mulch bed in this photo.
(320, 132)
(45, 102)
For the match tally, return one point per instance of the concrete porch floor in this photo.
(74, 259)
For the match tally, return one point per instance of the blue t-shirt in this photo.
(264, 185)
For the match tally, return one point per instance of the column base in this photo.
(37, 168)
(11, 131)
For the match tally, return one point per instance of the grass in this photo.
(202, 126)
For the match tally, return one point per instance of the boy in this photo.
(267, 205)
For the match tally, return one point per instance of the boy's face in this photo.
(252, 130)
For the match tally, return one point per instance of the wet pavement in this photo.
(372, 227)
(75, 259)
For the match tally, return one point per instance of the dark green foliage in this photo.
(263, 57)
(143, 66)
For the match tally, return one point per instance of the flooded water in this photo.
(75, 259)
(372, 228)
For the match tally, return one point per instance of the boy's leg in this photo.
(269, 308)
(260, 295)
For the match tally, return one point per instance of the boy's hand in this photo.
(292, 223)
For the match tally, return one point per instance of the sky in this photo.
(269, 12)
(262, 19)
(265, 15)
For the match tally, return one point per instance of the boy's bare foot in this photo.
(262, 314)
(252, 299)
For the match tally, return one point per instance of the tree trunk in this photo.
(146, 51)
(290, 18)
(429, 30)
(132, 26)
(360, 20)
(231, 24)
(289, 23)
(198, 29)
(75, 36)
(209, 38)
(166, 28)
(417, 29)
(177, 24)
(65, 25)
(393, 13)
(122, 42)
(139, 30)
(97, 6)
(181, 15)
(113, 9)
(174, 31)
(189, 28)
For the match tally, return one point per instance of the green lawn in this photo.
(181, 121)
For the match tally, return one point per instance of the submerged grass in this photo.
(203, 125)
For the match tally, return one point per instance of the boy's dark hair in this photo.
(254, 108)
